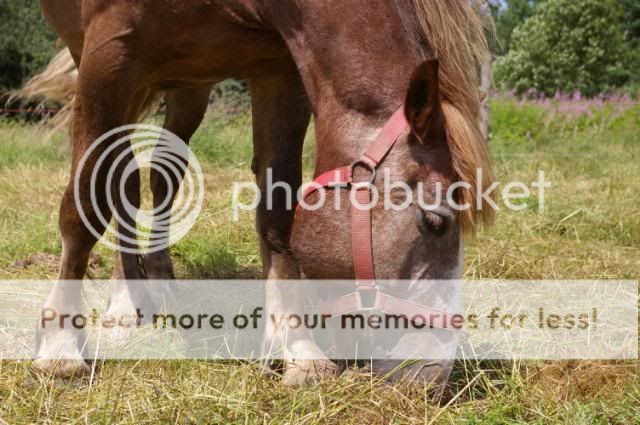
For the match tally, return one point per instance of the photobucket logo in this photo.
(395, 195)
(114, 159)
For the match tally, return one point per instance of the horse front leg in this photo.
(281, 115)
(106, 83)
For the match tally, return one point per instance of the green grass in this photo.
(590, 228)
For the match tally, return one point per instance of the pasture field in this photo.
(589, 228)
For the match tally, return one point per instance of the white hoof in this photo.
(307, 365)
(61, 368)
(307, 372)
(58, 354)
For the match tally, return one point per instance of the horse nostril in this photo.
(431, 222)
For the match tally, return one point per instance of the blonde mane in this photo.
(456, 32)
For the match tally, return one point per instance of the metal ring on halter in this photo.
(367, 166)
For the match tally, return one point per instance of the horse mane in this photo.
(456, 32)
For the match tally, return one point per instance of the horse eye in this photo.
(430, 222)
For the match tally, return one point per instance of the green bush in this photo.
(26, 42)
(509, 15)
(631, 24)
(569, 46)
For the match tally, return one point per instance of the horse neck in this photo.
(355, 59)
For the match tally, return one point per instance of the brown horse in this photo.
(346, 62)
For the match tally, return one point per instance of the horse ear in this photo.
(423, 109)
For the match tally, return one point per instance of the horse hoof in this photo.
(59, 353)
(158, 266)
(118, 334)
(61, 368)
(121, 317)
(416, 372)
(308, 372)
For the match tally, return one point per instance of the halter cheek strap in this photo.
(344, 177)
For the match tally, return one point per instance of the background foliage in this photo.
(508, 18)
(26, 42)
(631, 24)
(587, 46)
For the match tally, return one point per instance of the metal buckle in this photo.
(371, 298)
(351, 303)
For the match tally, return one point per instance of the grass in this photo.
(590, 228)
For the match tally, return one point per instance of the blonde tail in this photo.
(56, 84)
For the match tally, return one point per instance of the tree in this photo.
(631, 24)
(508, 17)
(631, 20)
(27, 43)
(568, 45)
